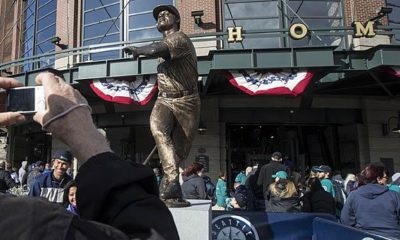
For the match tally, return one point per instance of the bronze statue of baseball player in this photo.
(175, 115)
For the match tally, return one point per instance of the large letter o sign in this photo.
(298, 31)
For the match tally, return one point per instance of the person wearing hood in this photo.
(317, 200)
(23, 173)
(372, 207)
(193, 186)
(6, 182)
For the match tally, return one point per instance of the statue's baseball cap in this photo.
(170, 8)
(63, 155)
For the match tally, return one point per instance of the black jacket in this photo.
(266, 172)
(279, 204)
(6, 182)
(124, 195)
(121, 196)
(319, 201)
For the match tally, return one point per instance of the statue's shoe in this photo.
(176, 202)
(170, 190)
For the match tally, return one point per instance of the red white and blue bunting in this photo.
(274, 83)
(139, 91)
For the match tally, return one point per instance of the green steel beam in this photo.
(28, 78)
(306, 57)
(384, 55)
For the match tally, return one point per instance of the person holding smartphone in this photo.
(123, 205)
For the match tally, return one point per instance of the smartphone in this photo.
(26, 99)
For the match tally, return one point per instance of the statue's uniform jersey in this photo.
(175, 115)
(180, 72)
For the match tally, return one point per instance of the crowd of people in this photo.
(369, 201)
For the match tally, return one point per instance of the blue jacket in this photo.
(375, 209)
(241, 178)
(194, 187)
(221, 193)
(46, 186)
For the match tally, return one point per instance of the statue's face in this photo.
(166, 20)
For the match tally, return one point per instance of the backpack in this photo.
(210, 187)
(340, 194)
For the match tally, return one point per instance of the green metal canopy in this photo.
(340, 71)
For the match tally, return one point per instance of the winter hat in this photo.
(241, 199)
(395, 176)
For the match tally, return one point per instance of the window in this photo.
(316, 14)
(394, 18)
(253, 15)
(39, 26)
(141, 24)
(270, 16)
(101, 24)
(102, 21)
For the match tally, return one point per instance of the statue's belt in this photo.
(177, 94)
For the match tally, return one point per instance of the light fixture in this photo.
(197, 17)
(397, 128)
(56, 41)
(386, 126)
(6, 72)
(202, 127)
(383, 11)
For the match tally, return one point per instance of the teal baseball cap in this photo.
(280, 174)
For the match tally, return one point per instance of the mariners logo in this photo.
(233, 227)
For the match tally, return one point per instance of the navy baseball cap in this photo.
(277, 155)
(63, 155)
(39, 163)
(323, 168)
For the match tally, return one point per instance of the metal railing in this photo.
(220, 38)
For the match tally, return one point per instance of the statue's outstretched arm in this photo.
(159, 49)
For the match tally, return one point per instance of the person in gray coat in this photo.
(193, 186)
(23, 172)
(372, 207)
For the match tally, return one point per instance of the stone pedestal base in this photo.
(193, 222)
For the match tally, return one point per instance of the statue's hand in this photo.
(131, 51)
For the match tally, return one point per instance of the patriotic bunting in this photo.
(274, 83)
(139, 91)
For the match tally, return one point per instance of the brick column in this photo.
(362, 10)
(67, 22)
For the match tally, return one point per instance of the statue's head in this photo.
(167, 17)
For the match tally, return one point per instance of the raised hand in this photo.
(131, 51)
(8, 118)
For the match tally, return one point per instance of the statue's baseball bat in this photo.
(150, 155)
